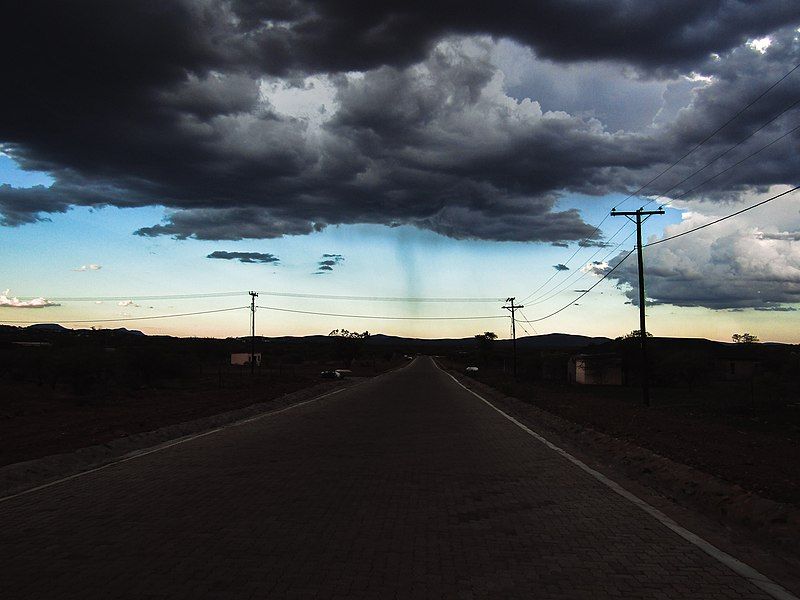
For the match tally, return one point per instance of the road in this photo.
(405, 486)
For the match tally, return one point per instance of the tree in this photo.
(636, 333)
(485, 342)
(348, 344)
(744, 338)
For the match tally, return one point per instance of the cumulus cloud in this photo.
(596, 267)
(6, 300)
(91, 267)
(245, 257)
(744, 262)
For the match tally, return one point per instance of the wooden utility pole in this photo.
(638, 214)
(253, 296)
(512, 308)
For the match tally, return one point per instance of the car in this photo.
(330, 375)
(344, 373)
(471, 370)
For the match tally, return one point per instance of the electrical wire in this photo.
(736, 145)
(726, 217)
(733, 166)
(393, 318)
(268, 293)
(189, 314)
(378, 298)
(572, 302)
(674, 164)
(522, 324)
(712, 134)
(143, 298)
(570, 282)
(547, 295)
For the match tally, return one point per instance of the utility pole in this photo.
(638, 214)
(253, 296)
(512, 308)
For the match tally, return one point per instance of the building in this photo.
(595, 369)
(243, 358)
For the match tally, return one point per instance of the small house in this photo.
(243, 358)
(595, 369)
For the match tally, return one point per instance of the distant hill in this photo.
(47, 327)
(551, 340)
(559, 340)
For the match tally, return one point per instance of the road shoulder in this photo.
(772, 557)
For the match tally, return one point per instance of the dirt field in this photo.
(37, 421)
(758, 450)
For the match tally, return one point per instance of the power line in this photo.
(734, 165)
(570, 281)
(326, 314)
(544, 297)
(578, 249)
(189, 314)
(566, 306)
(522, 324)
(278, 294)
(674, 164)
(605, 275)
(726, 217)
(143, 298)
(379, 298)
(713, 133)
(731, 148)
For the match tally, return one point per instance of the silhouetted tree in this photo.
(348, 344)
(636, 333)
(485, 342)
(744, 338)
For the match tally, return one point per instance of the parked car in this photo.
(330, 375)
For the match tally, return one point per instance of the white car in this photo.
(471, 370)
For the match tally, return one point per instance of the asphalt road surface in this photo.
(405, 486)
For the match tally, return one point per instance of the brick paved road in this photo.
(405, 487)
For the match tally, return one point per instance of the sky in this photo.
(387, 151)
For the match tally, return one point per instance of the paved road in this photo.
(406, 486)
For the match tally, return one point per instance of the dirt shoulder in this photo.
(762, 531)
(36, 422)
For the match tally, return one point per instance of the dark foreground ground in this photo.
(39, 420)
(752, 444)
(406, 486)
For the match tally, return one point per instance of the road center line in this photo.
(756, 578)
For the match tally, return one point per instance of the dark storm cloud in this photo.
(341, 35)
(133, 103)
(245, 257)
